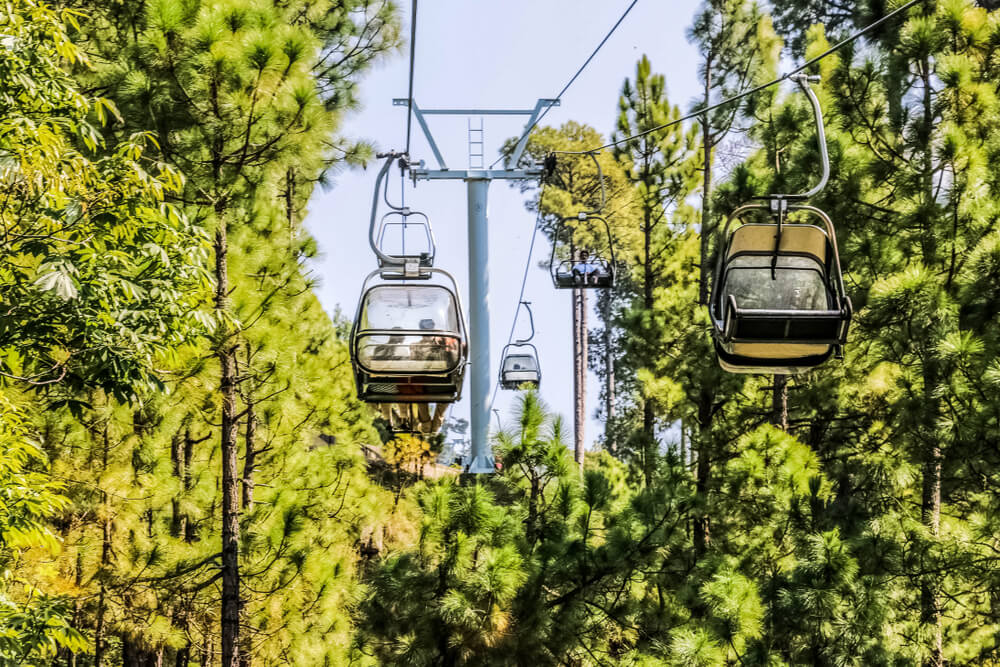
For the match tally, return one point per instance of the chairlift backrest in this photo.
(407, 235)
(798, 239)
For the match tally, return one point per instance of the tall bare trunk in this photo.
(249, 458)
(930, 506)
(702, 527)
(579, 372)
(779, 402)
(226, 353)
(177, 519)
(648, 418)
(609, 379)
(706, 190)
(190, 529)
(99, 630)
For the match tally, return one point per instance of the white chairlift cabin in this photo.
(519, 367)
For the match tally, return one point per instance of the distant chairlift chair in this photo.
(519, 368)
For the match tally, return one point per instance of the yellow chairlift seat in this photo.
(778, 303)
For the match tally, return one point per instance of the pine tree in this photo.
(243, 98)
(661, 165)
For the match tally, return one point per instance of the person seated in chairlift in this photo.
(585, 271)
(391, 349)
(435, 347)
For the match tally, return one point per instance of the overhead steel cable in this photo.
(520, 296)
(562, 92)
(538, 218)
(736, 98)
(413, 52)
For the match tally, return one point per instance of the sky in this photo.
(504, 55)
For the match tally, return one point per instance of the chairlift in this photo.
(406, 234)
(519, 368)
(778, 304)
(409, 342)
(583, 251)
(583, 254)
(403, 240)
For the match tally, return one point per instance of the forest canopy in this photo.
(188, 478)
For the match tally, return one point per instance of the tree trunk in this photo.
(648, 441)
(930, 506)
(249, 458)
(105, 559)
(930, 514)
(190, 530)
(609, 380)
(177, 460)
(226, 353)
(648, 418)
(529, 532)
(579, 372)
(702, 529)
(779, 402)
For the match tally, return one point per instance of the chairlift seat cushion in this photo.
(771, 358)
(518, 377)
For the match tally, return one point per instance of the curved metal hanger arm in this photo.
(583, 215)
(600, 178)
(531, 320)
(386, 259)
(804, 80)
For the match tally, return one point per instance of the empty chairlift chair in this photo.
(406, 236)
(778, 302)
(519, 367)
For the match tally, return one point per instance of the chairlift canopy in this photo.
(409, 344)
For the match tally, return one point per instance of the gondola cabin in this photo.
(778, 304)
(409, 344)
(519, 368)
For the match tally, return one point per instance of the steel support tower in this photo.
(478, 185)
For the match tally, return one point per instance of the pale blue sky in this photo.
(477, 54)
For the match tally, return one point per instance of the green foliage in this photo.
(33, 624)
(101, 277)
(222, 119)
(866, 534)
